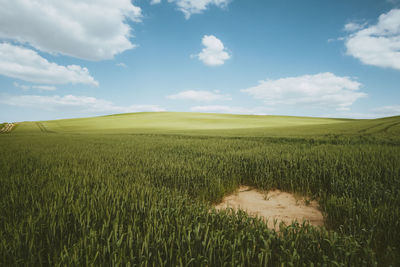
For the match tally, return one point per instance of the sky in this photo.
(82, 58)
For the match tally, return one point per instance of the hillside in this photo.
(214, 124)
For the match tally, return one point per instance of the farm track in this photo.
(371, 127)
(7, 128)
(43, 128)
(378, 129)
(390, 126)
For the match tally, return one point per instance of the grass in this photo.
(172, 122)
(138, 189)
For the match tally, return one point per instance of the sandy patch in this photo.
(7, 128)
(282, 206)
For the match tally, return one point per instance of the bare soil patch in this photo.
(7, 128)
(273, 205)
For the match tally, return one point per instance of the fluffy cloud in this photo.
(231, 110)
(324, 90)
(213, 53)
(206, 96)
(190, 7)
(28, 65)
(379, 44)
(71, 103)
(153, 2)
(86, 29)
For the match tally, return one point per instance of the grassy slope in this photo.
(216, 124)
(168, 121)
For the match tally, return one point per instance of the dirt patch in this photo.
(273, 205)
(7, 128)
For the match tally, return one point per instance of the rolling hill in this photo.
(213, 124)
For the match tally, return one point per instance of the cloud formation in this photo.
(28, 65)
(379, 112)
(379, 44)
(76, 104)
(122, 65)
(323, 90)
(387, 111)
(190, 7)
(38, 87)
(352, 26)
(86, 29)
(205, 96)
(214, 52)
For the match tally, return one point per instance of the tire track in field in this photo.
(43, 128)
(390, 126)
(371, 127)
(384, 129)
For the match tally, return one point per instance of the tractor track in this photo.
(43, 128)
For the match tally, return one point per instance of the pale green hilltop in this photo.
(213, 124)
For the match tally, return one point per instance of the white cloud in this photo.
(190, 7)
(39, 87)
(231, 109)
(153, 2)
(352, 26)
(387, 111)
(378, 44)
(213, 53)
(44, 87)
(22, 86)
(199, 96)
(123, 65)
(71, 103)
(323, 90)
(380, 112)
(28, 65)
(86, 29)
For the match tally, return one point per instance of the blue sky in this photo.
(66, 59)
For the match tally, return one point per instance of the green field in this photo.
(173, 122)
(138, 190)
